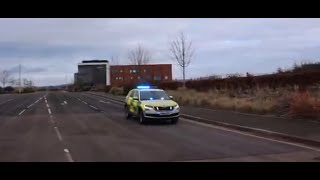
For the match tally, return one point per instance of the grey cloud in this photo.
(222, 45)
(26, 69)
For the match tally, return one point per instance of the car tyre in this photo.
(142, 119)
(127, 113)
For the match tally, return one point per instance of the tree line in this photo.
(6, 79)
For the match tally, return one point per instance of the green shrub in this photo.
(116, 91)
(28, 90)
(8, 89)
(128, 88)
(100, 87)
(108, 88)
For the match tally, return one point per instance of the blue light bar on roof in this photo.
(143, 87)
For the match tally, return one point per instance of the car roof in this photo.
(149, 89)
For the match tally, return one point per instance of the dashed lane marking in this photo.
(58, 133)
(68, 155)
(93, 107)
(84, 102)
(6, 101)
(49, 111)
(30, 105)
(22, 112)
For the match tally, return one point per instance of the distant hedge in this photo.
(171, 85)
(301, 79)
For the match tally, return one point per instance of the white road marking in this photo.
(68, 155)
(46, 101)
(65, 102)
(246, 134)
(48, 106)
(104, 102)
(84, 102)
(22, 112)
(58, 133)
(49, 111)
(79, 99)
(114, 102)
(30, 105)
(193, 116)
(6, 101)
(93, 107)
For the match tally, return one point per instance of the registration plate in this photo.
(164, 113)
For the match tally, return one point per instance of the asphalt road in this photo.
(67, 127)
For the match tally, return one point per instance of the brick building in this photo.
(127, 74)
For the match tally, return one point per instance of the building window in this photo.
(158, 78)
(121, 70)
(130, 71)
(166, 77)
(131, 77)
(116, 78)
(138, 77)
(145, 70)
(120, 77)
(134, 71)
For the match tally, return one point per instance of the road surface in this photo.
(79, 127)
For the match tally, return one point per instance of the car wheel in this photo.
(175, 120)
(127, 112)
(142, 119)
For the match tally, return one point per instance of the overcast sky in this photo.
(49, 49)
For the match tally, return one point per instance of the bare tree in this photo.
(115, 60)
(182, 52)
(12, 81)
(139, 56)
(4, 76)
(27, 83)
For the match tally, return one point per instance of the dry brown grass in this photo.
(304, 105)
(261, 101)
(257, 103)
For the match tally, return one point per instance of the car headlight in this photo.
(148, 107)
(176, 107)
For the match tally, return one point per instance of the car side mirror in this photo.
(171, 97)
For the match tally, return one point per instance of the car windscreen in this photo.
(153, 95)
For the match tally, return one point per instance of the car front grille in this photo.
(158, 115)
(159, 108)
